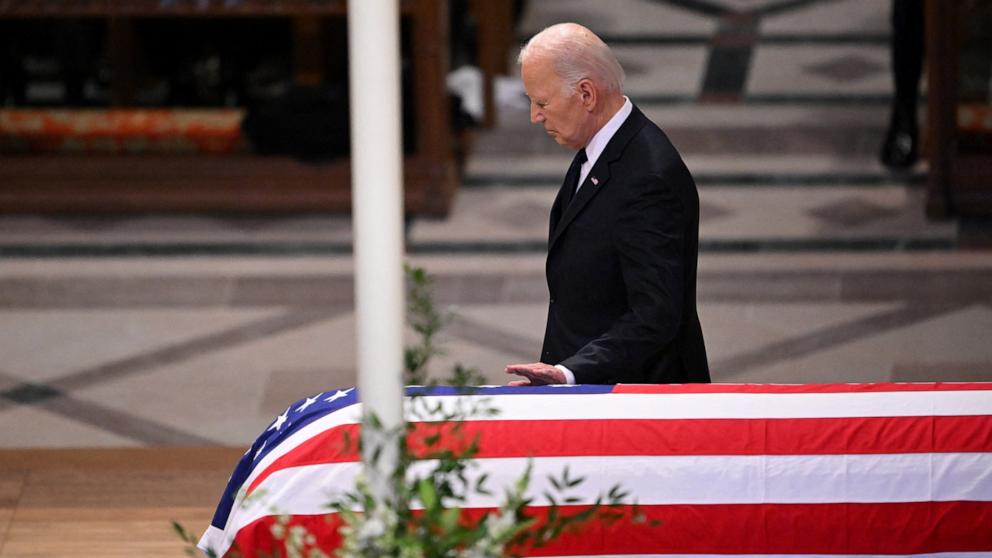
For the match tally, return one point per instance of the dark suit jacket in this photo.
(621, 267)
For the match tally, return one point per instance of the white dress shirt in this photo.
(593, 150)
(598, 142)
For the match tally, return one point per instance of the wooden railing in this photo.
(240, 182)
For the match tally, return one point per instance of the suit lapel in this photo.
(597, 179)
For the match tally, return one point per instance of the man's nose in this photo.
(535, 115)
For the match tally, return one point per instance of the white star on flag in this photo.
(279, 420)
(260, 448)
(308, 402)
(338, 395)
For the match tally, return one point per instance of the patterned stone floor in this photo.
(816, 265)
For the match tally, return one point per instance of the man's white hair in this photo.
(577, 54)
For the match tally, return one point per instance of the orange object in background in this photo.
(120, 131)
(975, 118)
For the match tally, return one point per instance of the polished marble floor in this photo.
(816, 265)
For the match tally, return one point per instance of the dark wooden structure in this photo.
(496, 36)
(238, 183)
(960, 181)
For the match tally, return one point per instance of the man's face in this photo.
(563, 115)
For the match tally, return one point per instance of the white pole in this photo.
(377, 211)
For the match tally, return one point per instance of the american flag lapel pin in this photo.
(595, 181)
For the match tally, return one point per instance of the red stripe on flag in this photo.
(819, 436)
(801, 388)
(336, 445)
(803, 529)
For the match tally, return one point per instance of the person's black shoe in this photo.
(899, 148)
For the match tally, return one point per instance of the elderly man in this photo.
(624, 232)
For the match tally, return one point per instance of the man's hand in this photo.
(536, 374)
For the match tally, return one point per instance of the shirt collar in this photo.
(598, 142)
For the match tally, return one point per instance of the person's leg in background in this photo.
(907, 44)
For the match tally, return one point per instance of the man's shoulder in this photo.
(642, 122)
(650, 152)
(641, 148)
(651, 130)
(651, 143)
(638, 128)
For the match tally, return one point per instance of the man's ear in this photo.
(587, 93)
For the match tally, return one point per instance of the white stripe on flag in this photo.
(735, 405)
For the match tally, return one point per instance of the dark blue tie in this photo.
(573, 174)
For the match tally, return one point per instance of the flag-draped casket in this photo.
(762, 470)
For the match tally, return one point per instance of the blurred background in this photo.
(175, 233)
(175, 236)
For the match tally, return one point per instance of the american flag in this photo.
(751, 470)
